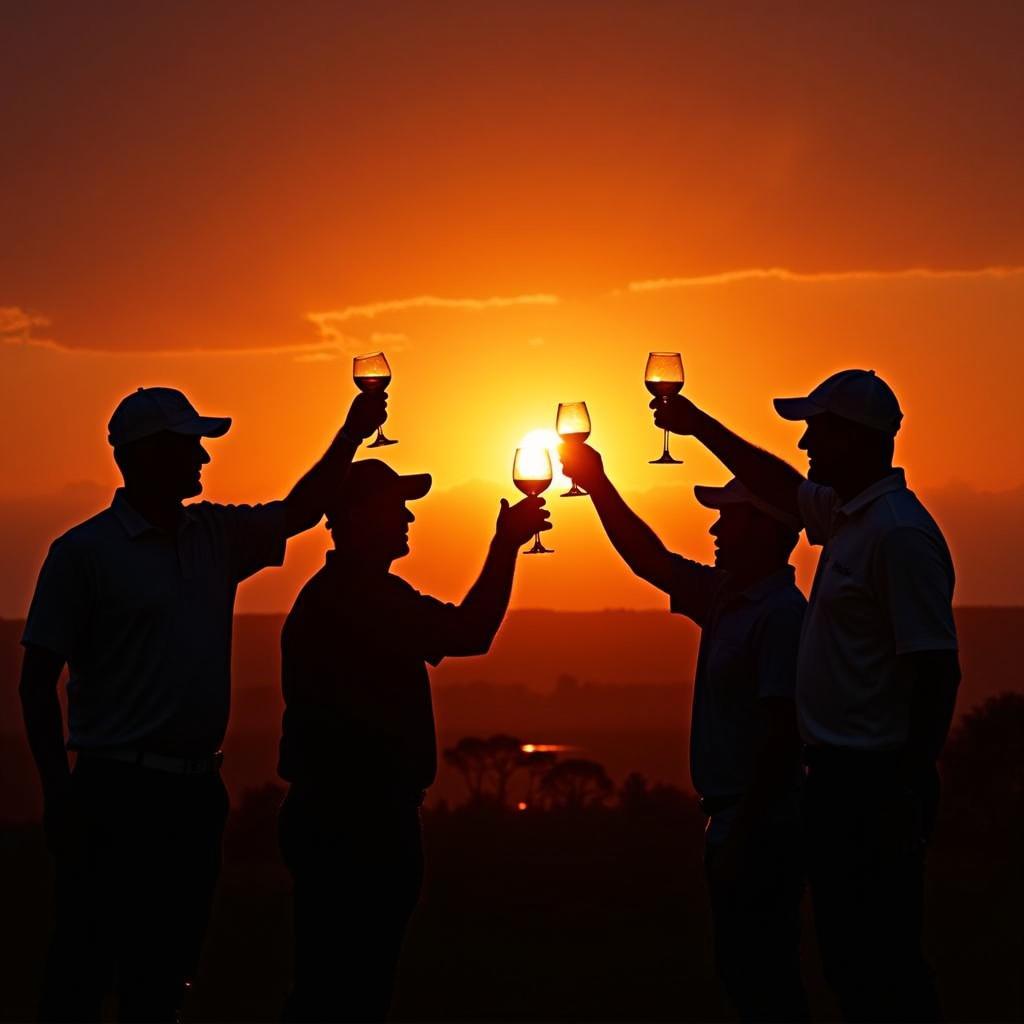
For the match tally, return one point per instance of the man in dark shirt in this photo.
(358, 744)
(137, 602)
(744, 751)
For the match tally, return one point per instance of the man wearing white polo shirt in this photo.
(876, 681)
(137, 602)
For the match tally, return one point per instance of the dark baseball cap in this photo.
(858, 395)
(152, 410)
(371, 478)
(734, 493)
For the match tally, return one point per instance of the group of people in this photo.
(815, 733)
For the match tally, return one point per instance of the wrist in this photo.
(349, 435)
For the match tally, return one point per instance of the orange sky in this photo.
(516, 202)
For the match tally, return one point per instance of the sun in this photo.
(547, 438)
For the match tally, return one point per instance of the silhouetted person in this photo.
(876, 681)
(137, 602)
(744, 747)
(358, 743)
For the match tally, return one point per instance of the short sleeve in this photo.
(778, 643)
(693, 588)
(256, 536)
(62, 602)
(431, 628)
(817, 505)
(914, 576)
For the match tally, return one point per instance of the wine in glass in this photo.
(664, 378)
(372, 373)
(573, 424)
(531, 473)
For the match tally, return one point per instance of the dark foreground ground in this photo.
(597, 915)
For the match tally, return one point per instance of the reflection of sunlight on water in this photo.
(545, 748)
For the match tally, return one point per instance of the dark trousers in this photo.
(134, 886)
(866, 834)
(756, 918)
(356, 873)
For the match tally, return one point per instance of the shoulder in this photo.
(84, 537)
(900, 522)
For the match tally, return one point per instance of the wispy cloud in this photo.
(815, 277)
(328, 322)
(17, 325)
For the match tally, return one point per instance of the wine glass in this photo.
(531, 473)
(664, 378)
(573, 424)
(372, 373)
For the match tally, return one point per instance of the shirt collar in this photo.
(784, 577)
(894, 481)
(759, 589)
(134, 522)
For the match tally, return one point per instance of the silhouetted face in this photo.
(831, 442)
(379, 527)
(743, 535)
(166, 465)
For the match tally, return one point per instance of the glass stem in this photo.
(666, 443)
(380, 433)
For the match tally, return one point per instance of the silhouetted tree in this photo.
(487, 766)
(575, 784)
(538, 764)
(469, 758)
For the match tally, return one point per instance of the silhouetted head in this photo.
(852, 420)
(368, 515)
(751, 536)
(156, 435)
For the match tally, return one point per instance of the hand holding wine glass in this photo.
(519, 522)
(531, 473)
(372, 374)
(582, 463)
(664, 378)
(572, 423)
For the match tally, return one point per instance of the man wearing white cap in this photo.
(744, 747)
(876, 683)
(137, 602)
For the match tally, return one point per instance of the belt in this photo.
(162, 762)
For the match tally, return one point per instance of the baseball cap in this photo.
(370, 478)
(858, 395)
(735, 493)
(151, 410)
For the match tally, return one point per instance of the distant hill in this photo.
(616, 684)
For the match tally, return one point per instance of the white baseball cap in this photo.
(858, 395)
(151, 410)
(735, 493)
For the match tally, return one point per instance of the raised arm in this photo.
(307, 500)
(637, 544)
(768, 476)
(483, 608)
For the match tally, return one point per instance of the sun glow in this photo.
(547, 438)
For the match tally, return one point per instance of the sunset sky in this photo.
(516, 202)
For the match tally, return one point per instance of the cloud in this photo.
(16, 326)
(816, 277)
(327, 322)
